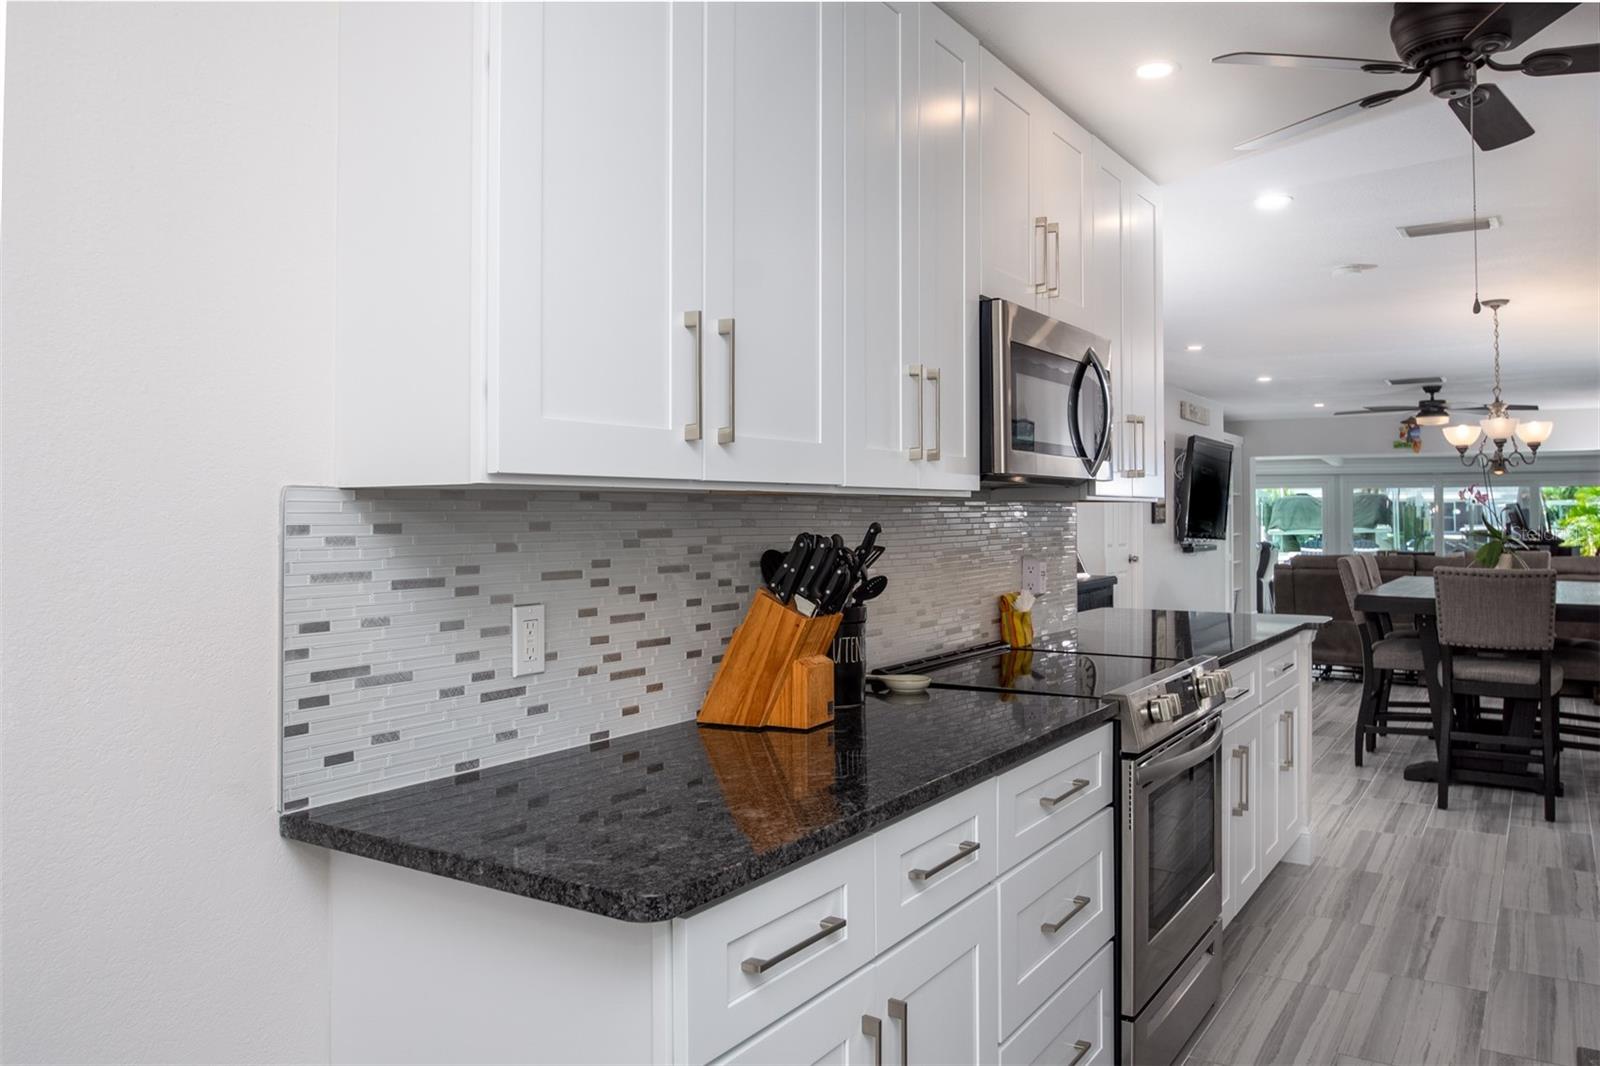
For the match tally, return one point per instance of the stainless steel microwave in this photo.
(1045, 396)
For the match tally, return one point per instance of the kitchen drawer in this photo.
(1056, 911)
(1075, 1027)
(781, 929)
(933, 860)
(1277, 668)
(1046, 796)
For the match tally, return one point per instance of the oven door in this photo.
(1047, 414)
(1171, 856)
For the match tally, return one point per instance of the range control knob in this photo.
(1174, 706)
(1152, 709)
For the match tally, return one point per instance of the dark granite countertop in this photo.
(651, 826)
(1171, 634)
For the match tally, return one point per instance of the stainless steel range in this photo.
(1169, 813)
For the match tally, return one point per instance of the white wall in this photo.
(167, 332)
(1196, 581)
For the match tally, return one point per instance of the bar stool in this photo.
(1382, 655)
(1497, 638)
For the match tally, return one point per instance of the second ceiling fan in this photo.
(1444, 45)
(1433, 409)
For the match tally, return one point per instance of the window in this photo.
(1572, 512)
(1391, 519)
(1291, 519)
(1462, 517)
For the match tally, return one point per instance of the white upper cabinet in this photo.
(1125, 300)
(911, 362)
(1036, 209)
(774, 227)
(595, 242)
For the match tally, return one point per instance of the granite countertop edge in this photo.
(1303, 623)
(691, 895)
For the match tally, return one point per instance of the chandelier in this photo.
(1500, 428)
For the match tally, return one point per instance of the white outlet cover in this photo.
(527, 639)
(1033, 575)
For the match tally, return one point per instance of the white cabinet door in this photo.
(1108, 183)
(1241, 855)
(947, 177)
(834, 1028)
(1013, 241)
(1061, 195)
(937, 991)
(774, 150)
(1143, 361)
(596, 240)
(881, 397)
(1281, 734)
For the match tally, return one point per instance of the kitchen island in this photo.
(930, 873)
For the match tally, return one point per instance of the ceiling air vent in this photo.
(1460, 225)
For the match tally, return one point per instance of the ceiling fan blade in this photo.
(1512, 25)
(1497, 122)
(1509, 407)
(1548, 62)
(1292, 60)
(1324, 118)
(1409, 408)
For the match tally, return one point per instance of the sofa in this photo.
(1309, 584)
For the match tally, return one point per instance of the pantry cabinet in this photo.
(911, 355)
(1126, 301)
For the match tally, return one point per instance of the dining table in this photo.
(1413, 596)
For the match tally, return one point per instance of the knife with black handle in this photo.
(819, 569)
(793, 569)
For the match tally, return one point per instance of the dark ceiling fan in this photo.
(1433, 410)
(1444, 45)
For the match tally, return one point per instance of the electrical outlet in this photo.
(527, 639)
(1033, 575)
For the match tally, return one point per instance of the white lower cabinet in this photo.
(1266, 754)
(937, 990)
(830, 1029)
(1076, 1026)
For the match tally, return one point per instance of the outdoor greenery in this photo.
(1579, 522)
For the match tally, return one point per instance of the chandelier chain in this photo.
(1495, 311)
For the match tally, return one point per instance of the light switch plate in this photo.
(527, 639)
(1033, 575)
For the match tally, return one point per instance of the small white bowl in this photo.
(905, 682)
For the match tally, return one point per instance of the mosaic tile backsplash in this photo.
(397, 611)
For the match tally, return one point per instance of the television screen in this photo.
(1207, 470)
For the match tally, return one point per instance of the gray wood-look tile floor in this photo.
(1465, 937)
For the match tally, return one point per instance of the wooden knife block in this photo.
(776, 673)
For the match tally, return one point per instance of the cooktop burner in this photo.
(1059, 673)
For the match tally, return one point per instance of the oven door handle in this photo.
(1151, 774)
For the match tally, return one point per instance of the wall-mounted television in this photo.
(1202, 487)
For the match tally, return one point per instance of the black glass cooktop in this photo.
(1060, 673)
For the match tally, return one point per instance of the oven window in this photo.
(1182, 846)
(1042, 407)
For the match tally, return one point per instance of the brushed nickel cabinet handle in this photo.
(1133, 431)
(915, 371)
(1041, 230)
(691, 322)
(872, 1029)
(830, 925)
(898, 1012)
(1240, 754)
(963, 849)
(725, 328)
(1287, 719)
(1078, 785)
(932, 374)
(1082, 1048)
(1053, 229)
(1078, 903)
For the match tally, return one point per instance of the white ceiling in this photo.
(1257, 289)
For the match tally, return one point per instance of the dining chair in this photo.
(1383, 654)
(1497, 638)
(1531, 559)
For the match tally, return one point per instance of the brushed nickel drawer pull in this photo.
(1041, 229)
(932, 374)
(914, 371)
(1053, 229)
(898, 1012)
(1078, 785)
(872, 1029)
(1287, 718)
(1078, 903)
(691, 321)
(1082, 1048)
(963, 849)
(829, 925)
(725, 328)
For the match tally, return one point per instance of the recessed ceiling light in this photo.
(1194, 348)
(1273, 201)
(1156, 68)
(1319, 405)
(1264, 378)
